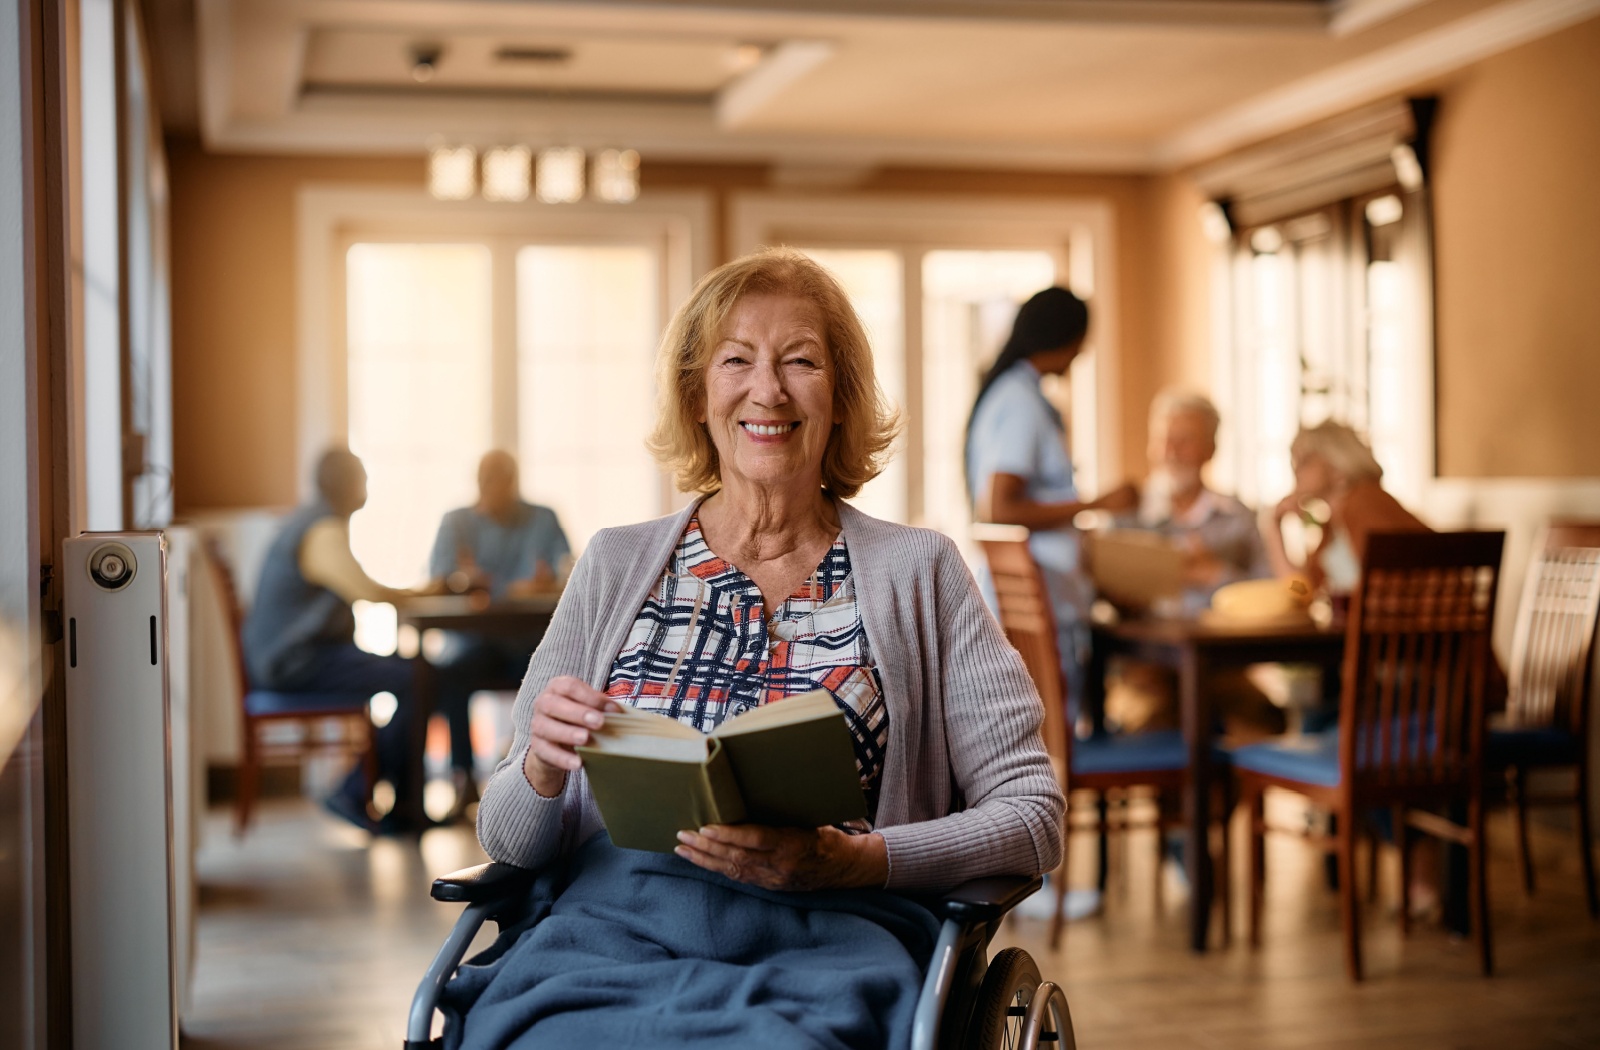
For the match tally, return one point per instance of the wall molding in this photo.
(1389, 71)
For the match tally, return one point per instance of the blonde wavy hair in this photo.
(1341, 447)
(865, 422)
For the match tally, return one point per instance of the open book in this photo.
(786, 764)
(1133, 568)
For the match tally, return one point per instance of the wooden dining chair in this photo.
(313, 713)
(1101, 765)
(1546, 723)
(1411, 720)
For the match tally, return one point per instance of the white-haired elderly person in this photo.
(1222, 544)
(1334, 466)
(1219, 535)
(768, 584)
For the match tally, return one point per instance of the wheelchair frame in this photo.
(951, 989)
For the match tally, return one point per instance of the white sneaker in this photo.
(1080, 904)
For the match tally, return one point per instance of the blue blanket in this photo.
(627, 948)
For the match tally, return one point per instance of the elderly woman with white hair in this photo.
(767, 585)
(1332, 464)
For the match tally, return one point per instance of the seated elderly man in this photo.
(1219, 535)
(767, 585)
(511, 549)
(300, 633)
(1222, 543)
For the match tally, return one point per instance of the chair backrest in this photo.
(1416, 660)
(1030, 624)
(228, 593)
(1553, 645)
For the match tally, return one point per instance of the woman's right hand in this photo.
(1290, 504)
(1123, 499)
(564, 716)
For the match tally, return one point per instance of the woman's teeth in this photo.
(769, 431)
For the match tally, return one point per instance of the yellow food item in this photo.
(1255, 600)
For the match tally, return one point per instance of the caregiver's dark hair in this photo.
(1050, 320)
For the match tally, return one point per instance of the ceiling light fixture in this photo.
(452, 172)
(745, 56)
(560, 175)
(616, 175)
(1268, 240)
(1385, 210)
(1214, 223)
(506, 173)
(425, 61)
(1407, 167)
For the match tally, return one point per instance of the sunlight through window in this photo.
(419, 383)
(587, 327)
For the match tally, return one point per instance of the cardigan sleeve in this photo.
(517, 825)
(1011, 823)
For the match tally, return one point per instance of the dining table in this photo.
(519, 620)
(1193, 647)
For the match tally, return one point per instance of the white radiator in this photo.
(119, 794)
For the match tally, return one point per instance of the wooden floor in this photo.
(313, 938)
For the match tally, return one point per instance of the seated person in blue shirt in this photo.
(511, 549)
(300, 634)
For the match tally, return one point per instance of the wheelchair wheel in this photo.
(1003, 1000)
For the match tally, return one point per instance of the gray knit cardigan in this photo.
(967, 788)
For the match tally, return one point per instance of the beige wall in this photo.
(1518, 263)
(233, 318)
(234, 324)
(1517, 229)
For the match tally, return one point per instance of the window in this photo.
(1324, 295)
(428, 378)
(588, 319)
(432, 331)
(874, 278)
(420, 380)
(937, 285)
(969, 300)
(1329, 322)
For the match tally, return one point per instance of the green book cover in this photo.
(786, 764)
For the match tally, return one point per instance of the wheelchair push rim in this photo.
(1018, 1009)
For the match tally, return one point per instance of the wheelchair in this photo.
(968, 1001)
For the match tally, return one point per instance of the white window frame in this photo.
(331, 218)
(1232, 359)
(1079, 232)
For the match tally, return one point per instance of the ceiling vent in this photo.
(543, 55)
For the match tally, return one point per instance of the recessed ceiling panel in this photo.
(383, 58)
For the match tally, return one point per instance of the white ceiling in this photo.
(1129, 85)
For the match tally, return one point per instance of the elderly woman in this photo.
(766, 586)
(1333, 465)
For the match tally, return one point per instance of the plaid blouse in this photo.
(701, 652)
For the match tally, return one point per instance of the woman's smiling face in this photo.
(769, 394)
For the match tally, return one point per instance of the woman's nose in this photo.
(767, 385)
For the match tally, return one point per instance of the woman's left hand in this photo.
(787, 858)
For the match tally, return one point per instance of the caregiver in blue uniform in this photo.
(1019, 469)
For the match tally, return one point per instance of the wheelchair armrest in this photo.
(984, 900)
(482, 883)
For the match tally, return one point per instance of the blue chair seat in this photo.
(1154, 752)
(262, 703)
(1312, 759)
(1534, 746)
